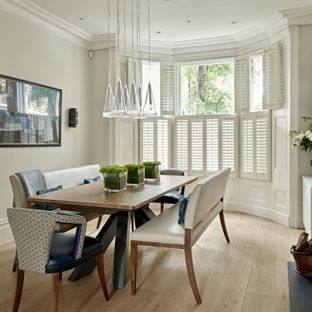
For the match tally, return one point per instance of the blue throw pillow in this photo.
(48, 207)
(182, 209)
(92, 180)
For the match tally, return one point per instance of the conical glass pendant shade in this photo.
(109, 101)
(134, 110)
(149, 104)
(119, 100)
(140, 99)
(127, 99)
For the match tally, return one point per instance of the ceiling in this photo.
(208, 18)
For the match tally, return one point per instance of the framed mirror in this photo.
(30, 113)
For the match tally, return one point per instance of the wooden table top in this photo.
(93, 195)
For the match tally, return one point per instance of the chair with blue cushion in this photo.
(172, 197)
(40, 249)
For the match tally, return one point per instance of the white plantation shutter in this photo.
(206, 144)
(167, 89)
(212, 145)
(255, 145)
(155, 140)
(133, 72)
(273, 95)
(229, 144)
(147, 141)
(163, 142)
(181, 143)
(241, 85)
(196, 144)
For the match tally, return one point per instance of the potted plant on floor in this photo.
(115, 178)
(152, 170)
(136, 174)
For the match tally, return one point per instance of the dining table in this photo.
(129, 204)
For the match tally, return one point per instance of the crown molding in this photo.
(298, 16)
(244, 40)
(34, 14)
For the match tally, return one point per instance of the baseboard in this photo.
(258, 211)
(5, 232)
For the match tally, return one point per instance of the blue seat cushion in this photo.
(92, 180)
(182, 209)
(62, 250)
(48, 207)
(170, 198)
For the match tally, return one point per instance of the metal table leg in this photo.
(121, 255)
(106, 235)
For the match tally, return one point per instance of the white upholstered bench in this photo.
(205, 203)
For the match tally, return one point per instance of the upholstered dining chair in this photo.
(205, 203)
(172, 197)
(40, 249)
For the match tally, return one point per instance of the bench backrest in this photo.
(205, 196)
(71, 177)
(66, 177)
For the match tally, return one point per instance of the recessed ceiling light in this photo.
(158, 32)
(189, 21)
(234, 22)
(81, 18)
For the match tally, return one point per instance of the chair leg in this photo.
(101, 272)
(134, 265)
(191, 273)
(55, 285)
(14, 267)
(221, 214)
(19, 289)
(99, 222)
(162, 206)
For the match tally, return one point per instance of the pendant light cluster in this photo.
(128, 100)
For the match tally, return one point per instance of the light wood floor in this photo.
(248, 275)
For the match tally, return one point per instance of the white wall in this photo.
(305, 99)
(33, 54)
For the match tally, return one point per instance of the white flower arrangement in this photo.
(302, 140)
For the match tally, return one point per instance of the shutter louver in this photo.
(197, 151)
(228, 144)
(248, 147)
(147, 140)
(255, 138)
(241, 85)
(182, 144)
(275, 77)
(212, 137)
(167, 89)
(261, 144)
(163, 142)
(265, 99)
(273, 82)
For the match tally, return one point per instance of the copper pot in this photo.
(303, 262)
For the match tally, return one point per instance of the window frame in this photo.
(251, 55)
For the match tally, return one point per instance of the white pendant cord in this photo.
(139, 36)
(124, 28)
(108, 36)
(149, 38)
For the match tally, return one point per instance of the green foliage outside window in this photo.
(208, 89)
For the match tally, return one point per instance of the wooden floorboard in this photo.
(248, 275)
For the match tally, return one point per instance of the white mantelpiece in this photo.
(307, 203)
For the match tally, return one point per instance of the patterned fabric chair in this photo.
(40, 249)
(205, 203)
(172, 197)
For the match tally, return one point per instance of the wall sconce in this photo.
(73, 117)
